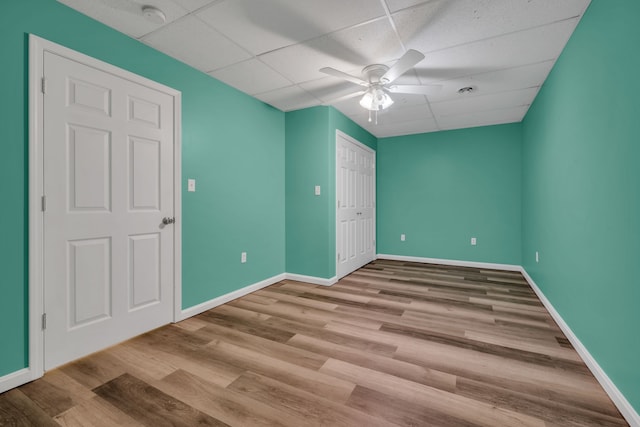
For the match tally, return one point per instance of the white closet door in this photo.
(355, 205)
(366, 243)
(108, 181)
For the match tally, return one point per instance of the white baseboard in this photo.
(212, 303)
(208, 305)
(23, 376)
(311, 279)
(623, 405)
(15, 379)
(453, 262)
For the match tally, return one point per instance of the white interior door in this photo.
(355, 205)
(108, 182)
(366, 210)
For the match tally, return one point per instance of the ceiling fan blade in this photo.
(348, 77)
(415, 89)
(404, 64)
(344, 98)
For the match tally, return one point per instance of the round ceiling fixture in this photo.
(153, 14)
(466, 90)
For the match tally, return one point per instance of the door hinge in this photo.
(44, 321)
(43, 85)
(44, 203)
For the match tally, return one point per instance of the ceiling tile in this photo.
(395, 5)
(347, 50)
(441, 24)
(397, 115)
(193, 42)
(192, 5)
(126, 15)
(508, 51)
(330, 88)
(301, 62)
(465, 105)
(408, 114)
(350, 107)
(263, 26)
(288, 98)
(483, 118)
(373, 42)
(404, 128)
(402, 100)
(251, 76)
(492, 82)
(414, 119)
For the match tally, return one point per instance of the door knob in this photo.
(168, 220)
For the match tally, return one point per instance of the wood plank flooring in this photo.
(393, 344)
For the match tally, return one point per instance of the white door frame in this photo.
(37, 47)
(339, 133)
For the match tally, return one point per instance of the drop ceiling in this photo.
(273, 50)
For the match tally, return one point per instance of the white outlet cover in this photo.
(317, 190)
(191, 185)
(473, 241)
(243, 257)
(403, 237)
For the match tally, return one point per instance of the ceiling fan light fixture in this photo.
(376, 99)
(367, 101)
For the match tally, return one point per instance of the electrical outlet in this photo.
(403, 238)
(243, 257)
(317, 190)
(473, 241)
(537, 257)
(191, 185)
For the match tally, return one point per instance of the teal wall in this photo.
(232, 145)
(307, 220)
(581, 189)
(564, 183)
(440, 189)
(310, 161)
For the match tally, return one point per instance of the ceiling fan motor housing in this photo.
(374, 72)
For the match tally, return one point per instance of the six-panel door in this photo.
(108, 180)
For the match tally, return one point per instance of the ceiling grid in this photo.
(274, 51)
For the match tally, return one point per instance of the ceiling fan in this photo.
(378, 81)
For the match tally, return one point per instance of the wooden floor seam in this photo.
(392, 344)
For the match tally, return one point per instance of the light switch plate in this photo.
(473, 241)
(191, 185)
(317, 190)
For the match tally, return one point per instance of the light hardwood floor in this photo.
(394, 343)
